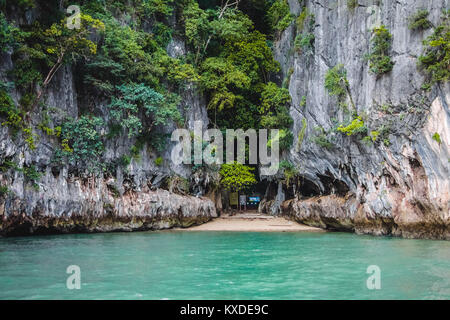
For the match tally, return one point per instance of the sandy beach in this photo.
(253, 222)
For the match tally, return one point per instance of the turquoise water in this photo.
(221, 265)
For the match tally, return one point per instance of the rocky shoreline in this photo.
(346, 214)
(149, 210)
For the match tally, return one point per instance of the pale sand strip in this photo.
(253, 223)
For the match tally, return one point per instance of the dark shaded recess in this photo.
(308, 188)
(289, 191)
(271, 190)
(256, 10)
(390, 179)
(56, 172)
(333, 224)
(73, 171)
(18, 229)
(333, 186)
(260, 188)
(414, 163)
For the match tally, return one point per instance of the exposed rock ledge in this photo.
(348, 214)
(134, 211)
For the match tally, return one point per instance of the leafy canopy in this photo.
(436, 57)
(380, 60)
(237, 177)
(136, 101)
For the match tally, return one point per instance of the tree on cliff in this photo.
(237, 177)
(63, 45)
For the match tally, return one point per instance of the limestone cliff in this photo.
(399, 187)
(70, 199)
(397, 184)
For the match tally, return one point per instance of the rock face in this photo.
(399, 187)
(88, 206)
(64, 200)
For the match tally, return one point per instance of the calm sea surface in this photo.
(223, 265)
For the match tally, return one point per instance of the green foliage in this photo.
(287, 80)
(380, 61)
(352, 4)
(357, 126)
(304, 42)
(419, 20)
(63, 44)
(42, 51)
(336, 81)
(30, 137)
(122, 57)
(6, 86)
(289, 171)
(301, 134)
(125, 161)
(305, 39)
(9, 111)
(27, 68)
(137, 100)
(279, 15)
(235, 63)
(381, 134)
(220, 76)
(321, 138)
(82, 142)
(14, 119)
(159, 161)
(8, 34)
(129, 55)
(4, 190)
(436, 137)
(435, 60)
(207, 30)
(7, 165)
(284, 137)
(274, 110)
(252, 56)
(374, 135)
(302, 19)
(162, 8)
(235, 74)
(273, 97)
(196, 24)
(234, 26)
(237, 177)
(240, 68)
(45, 126)
(119, 53)
(303, 102)
(29, 59)
(32, 175)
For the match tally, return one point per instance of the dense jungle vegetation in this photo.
(128, 85)
(119, 58)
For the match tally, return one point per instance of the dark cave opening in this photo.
(333, 186)
(308, 188)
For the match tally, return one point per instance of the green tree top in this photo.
(237, 177)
